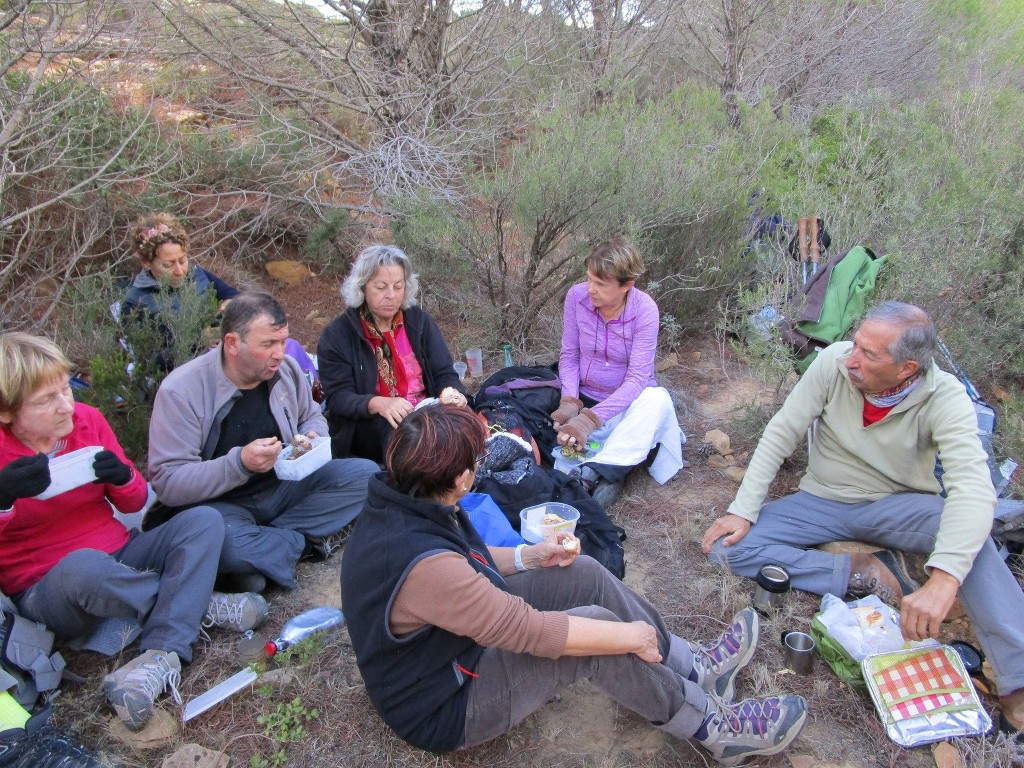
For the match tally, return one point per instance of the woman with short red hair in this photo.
(457, 642)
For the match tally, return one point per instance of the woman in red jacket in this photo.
(67, 562)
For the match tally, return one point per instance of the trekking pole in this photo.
(801, 227)
(815, 250)
(960, 373)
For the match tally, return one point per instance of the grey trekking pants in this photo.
(510, 686)
(162, 578)
(266, 532)
(907, 522)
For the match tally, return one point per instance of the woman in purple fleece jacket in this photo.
(606, 366)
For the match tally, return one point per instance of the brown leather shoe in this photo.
(1012, 705)
(879, 573)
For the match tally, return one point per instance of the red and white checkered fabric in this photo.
(920, 684)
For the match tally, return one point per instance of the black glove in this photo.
(23, 478)
(110, 469)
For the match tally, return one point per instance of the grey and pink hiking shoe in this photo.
(717, 663)
(734, 732)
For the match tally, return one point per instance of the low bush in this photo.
(126, 361)
(668, 174)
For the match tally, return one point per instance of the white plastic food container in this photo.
(296, 469)
(532, 526)
(565, 464)
(70, 471)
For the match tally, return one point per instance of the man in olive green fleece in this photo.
(880, 411)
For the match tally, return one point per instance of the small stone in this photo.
(1000, 394)
(669, 362)
(720, 440)
(290, 272)
(47, 287)
(718, 462)
(735, 474)
(195, 756)
(316, 314)
(281, 677)
(186, 116)
(695, 357)
(161, 728)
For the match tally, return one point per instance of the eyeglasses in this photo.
(480, 460)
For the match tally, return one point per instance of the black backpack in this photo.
(601, 538)
(532, 391)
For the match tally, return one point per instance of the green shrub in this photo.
(936, 186)
(125, 361)
(668, 174)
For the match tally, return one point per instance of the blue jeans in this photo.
(905, 521)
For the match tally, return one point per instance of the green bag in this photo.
(836, 656)
(833, 299)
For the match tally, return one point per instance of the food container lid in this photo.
(70, 471)
(971, 657)
(773, 578)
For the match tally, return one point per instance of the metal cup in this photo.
(772, 584)
(798, 652)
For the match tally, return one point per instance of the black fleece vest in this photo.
(419, 683)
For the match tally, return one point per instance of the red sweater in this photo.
(35, 535)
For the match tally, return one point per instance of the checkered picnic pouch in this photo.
(922, 682)
(923, 695)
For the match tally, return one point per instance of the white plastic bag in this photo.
(841, 621)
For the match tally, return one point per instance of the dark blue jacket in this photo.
(147, 294)
(419, 683)
(148, 299)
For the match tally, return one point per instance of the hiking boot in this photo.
(1012, 704)
(48, 747)
(718, 662)
(588, 481)
(600, 490)
(133, 688)
(254, 582)
(605, 493)
(732, 732)
(239, 612)
(880, 573)
(1005, 727)
(317, 550)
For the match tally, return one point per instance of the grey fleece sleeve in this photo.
(179, 475)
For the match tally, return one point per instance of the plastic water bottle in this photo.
(305, 624)
(507, 349)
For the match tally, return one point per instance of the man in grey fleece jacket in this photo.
(881, 411)
(218, 425)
